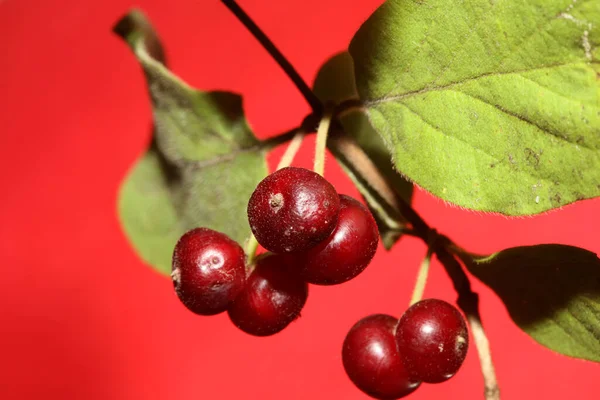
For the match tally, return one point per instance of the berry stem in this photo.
(492, 392)
(285, 161)
(468, 301)
(309, 96)
(422, 277)
(289, 154)
(250, 250)
(321, 142)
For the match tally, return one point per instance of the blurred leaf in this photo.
(551, 291)
(490, 105)
(335, 83)
(203, 163)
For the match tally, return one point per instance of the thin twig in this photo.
(287, 67)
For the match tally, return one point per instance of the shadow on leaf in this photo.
(551, 291)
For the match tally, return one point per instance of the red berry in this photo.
(272, 298)
(292, 210)
(208, 270)
(371, 359)
(433, 340)
(348, 249)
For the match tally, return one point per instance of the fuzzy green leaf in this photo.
(203, 163)
(334, 84)
(492, 105)
(552, 292)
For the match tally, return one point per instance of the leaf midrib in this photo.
(428, 89)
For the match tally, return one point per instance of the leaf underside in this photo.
(201, 167)
(552, 292)
(492, 105)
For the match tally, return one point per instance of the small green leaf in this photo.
(335, 83)
(551, 291)
(203, 163)
(491, 105)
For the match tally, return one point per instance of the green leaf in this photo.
(201, 167)
(551, 291)
(335, 84)
(490, 105)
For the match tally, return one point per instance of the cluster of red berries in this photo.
(389, 358)
(314, 235)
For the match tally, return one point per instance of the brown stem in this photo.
(468, 301)
(363, 166)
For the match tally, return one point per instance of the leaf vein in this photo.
(526, 120)
(387, 99)
(497, 160)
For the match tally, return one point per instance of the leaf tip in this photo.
(135, 29)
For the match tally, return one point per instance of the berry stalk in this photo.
(422, 277)
(309, 96)
(321, 143)
(290, 152)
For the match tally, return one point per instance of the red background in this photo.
(83, 318)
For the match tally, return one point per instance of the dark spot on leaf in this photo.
(579, 196)
(556, 199)
(532, 157)
(492, 165)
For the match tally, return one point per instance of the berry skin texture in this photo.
(432, 338)
(208, 271)
(273, 297)
(371, 359)
(347, 251)
(293, 209)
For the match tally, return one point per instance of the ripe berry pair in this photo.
(314, 235)
(210, 277)
(388, 358)
(327, 237)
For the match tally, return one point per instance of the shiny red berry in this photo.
(272, 298)
(348, 249)
(292, 210)
(371, 359)
(432, 338)
(208, 270)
